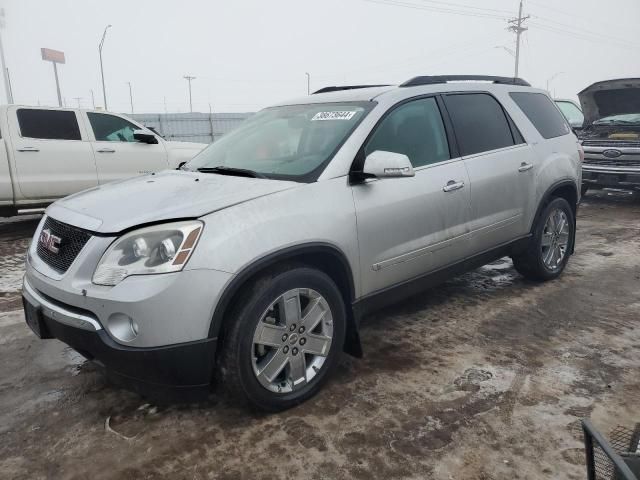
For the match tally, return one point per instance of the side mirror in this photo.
(145, 137)
(381, 164)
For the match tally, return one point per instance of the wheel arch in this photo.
(323, 256)
(566, 189)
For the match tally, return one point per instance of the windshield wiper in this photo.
(238, 172)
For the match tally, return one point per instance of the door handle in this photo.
(28, 149)
(106, 150)
(452, 185)
(524, 166)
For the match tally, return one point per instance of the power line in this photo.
(462, 5)
(400, 3)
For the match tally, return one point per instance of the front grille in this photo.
(611, 162)
(72, 240)
(610, 144)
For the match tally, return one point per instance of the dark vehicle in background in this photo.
(611, 134)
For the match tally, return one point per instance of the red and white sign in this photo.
(52, 55)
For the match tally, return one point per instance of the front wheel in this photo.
(548, 250)
(283, 339)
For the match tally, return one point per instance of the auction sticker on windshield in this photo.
(348, 115)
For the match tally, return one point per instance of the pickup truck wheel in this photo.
(548, 250)
(284, 339)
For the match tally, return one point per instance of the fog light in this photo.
(122, 327)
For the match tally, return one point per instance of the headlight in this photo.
(158, 249)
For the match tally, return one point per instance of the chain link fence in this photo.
(192, 127)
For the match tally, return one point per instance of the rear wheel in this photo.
(284, 339)
(548, 250)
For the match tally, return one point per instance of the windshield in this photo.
(571, 112)
(292, 142)
(626, 119)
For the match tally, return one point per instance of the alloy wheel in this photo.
(555, 239)
(292, 340)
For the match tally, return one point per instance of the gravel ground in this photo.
(485, 377)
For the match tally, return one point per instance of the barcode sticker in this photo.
(348, 115)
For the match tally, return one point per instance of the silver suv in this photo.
(254, 264)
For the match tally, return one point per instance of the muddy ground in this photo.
(485, 377)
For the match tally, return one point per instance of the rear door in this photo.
(52, 155)
(500, 166)
(410, 226)
(118, 155)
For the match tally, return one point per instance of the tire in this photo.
(258, 339)
(538, 262)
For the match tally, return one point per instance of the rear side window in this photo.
(479, 122)
(48, 124)
(541, 111)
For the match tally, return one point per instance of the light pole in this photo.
(188, 78)
(104, 90)
(308, 83)
(551, 78)
(130, 96)
(5, 69)
(93, 100)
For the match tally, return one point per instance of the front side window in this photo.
(109, 128)
(290, 142)
(479, 122)
(48, 124)
(572, 113)
(414, 129)
(541, 111)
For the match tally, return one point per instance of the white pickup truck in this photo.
(49, 153)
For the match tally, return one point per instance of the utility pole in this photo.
(518, 28)
(104, 90)
(93, 100)
(308, 83)
(188, 78)
(130, 96)
(5, 69)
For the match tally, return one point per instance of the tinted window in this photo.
(49, 124)
(544, 115)
(479, 122)
(414, 129)
(109, 128)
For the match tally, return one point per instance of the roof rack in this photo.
(435, 79)
(345, 87)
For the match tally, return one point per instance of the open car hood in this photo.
(610, 97)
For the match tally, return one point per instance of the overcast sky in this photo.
(247, 54)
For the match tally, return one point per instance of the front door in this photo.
(118, 154)
(410, 226)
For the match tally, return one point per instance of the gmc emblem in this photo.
(49, 241)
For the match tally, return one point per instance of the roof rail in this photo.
(345, 87)
(435, 79)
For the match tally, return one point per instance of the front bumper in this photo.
(183, 370)
(598, 177)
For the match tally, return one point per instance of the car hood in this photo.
(611, 97)
(186, 145)
(167, 195)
